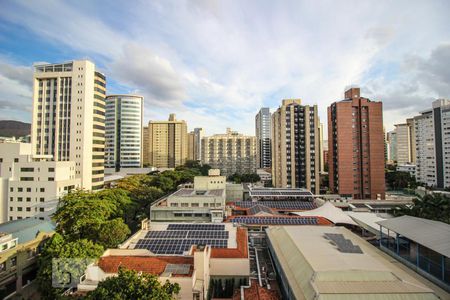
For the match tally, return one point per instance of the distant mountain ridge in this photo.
(9, 128)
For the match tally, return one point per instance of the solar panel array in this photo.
(252, 220)
(196, 227)
(292, 205)
(259, 208)
(179, 238)
(343, 244)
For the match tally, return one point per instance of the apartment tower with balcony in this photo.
(69, 117)
(356, 147)
(296, 146)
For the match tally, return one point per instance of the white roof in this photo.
(368, 221)
(431, 234)
(315, 268)
(330, 212)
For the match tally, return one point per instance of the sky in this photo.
(216, 63)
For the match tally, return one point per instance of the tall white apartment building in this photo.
(432, 136)
(69, 117)
(123, 131)
(30, 185)
(231, 152)
(263, 121)
(403, 146)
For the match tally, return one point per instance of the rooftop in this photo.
(155, 265)
(431, 234)
(317, 260)
(27, 229)
(225, 239)
(183, 192)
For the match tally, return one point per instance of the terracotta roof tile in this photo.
(240, 252)
(147, 264)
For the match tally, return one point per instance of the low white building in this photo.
(31, 185)
(184, 253)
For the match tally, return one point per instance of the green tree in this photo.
(80, 214)
(131, 285)
(58, 247)
(111, 233)
(165, 183)
(86, 215)
(431, 206)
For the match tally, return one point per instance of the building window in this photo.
(42, 190)
(41, 209)
(19, 208)
(184, 204)
(28, 209)
(26, 178)
(29, 190)
(2, 266)
(51, 179)
(51, 169)
(19, 199)
(28, 199)
(174, 204)
(41, 199)
(11, 189)
(194, 204)
(16, 160)
(14, 261)
(20, 189)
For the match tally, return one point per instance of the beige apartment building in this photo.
(69, 117)
(31, 185)
(296, 146)
(145, 145)
(231, 152)
(167, 143)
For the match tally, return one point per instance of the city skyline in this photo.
(216, 64)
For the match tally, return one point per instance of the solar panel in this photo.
(166, 234)
(257, 208)
(344, 245)
(181, 269)
(178, 238)
(196, 227)
(290, 205)
(275, 220)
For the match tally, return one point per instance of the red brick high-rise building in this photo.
(356, 147)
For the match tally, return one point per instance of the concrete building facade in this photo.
(231, 152)
(195, 144)
(296, 146)
(167, 143)
(432, 137)
(263, 126)
(123, 131)
(30, 185)
(69, 117)
(356, 147)
(20, 245)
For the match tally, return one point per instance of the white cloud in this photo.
(215, 63)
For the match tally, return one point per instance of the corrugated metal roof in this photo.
(431, 234)
(27, 229)
(372, 287)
